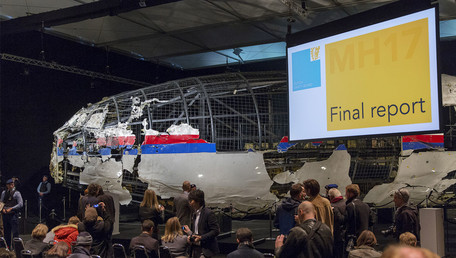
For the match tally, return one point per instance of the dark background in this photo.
(36, 101)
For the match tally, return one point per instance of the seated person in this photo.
(83, 244)
(59, 250)
(36, 244)
(407, 238)
(244, 237)
(365, 246)
(174, 238)
(145, 239)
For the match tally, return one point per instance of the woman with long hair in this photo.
(151, 209)
(174, 238)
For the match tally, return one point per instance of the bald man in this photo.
(181, 206)
(310, 238)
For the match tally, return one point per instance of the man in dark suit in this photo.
(145, 239)
(205, 228)
(244, 237)
(181, 206)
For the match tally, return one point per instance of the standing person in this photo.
(145, 239)
(244, 238)
(323, 210)
(13, 203)
(43, 190)
(181, 206)
(36, 244)
(338, 205)
(311, 238)
(365, 246)
(151, 209)
(109, 207)
(98, 228)
(284, 219)
(174, 238)
(357, 219)
(205, 228)
(406, 216)
(88, 200)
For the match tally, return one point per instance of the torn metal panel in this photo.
(108, 174)
(448, 90)
(237, 178)
(420, 173)
(334, 170)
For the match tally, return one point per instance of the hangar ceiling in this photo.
(186, 34)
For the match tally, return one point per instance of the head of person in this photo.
(92, 190)
(39, 232)
(59, 249)
(296, 192)
(196, 199)
(192, 187)
(244, 235)
(73, 220)
(407, 238)
(45, 178)
(148, 226)
(306, 210)
(10, 184)
(100, 190)
(401, 197)
(90, 215)
(312, 187)
(334, 193)
(84, 239)
(329, 187)
(186, 186)
(150, 199)
(366, 238)
(403, 251)
(352, 191)
(173, 229)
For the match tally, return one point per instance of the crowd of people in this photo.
(310, 225)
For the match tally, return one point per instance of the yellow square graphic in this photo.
(379, 79)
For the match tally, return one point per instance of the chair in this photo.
(119, 251)
(18, 246)
(139, 251)
(26, 254)
(3, 243)
(268, 255)
(164, 252)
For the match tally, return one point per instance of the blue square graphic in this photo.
(306, 73)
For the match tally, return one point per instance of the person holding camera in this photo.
(406, 216)
(205, 229)
(12, 200)
(357, 215)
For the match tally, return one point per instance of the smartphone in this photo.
(96, 206)
(183, 228)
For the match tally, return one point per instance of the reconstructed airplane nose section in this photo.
(209, 130)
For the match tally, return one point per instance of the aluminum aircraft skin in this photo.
(104, 154)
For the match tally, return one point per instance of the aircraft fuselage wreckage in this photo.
(227, 134)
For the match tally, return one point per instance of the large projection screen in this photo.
(376, 80)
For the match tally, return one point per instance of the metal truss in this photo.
(69, 69)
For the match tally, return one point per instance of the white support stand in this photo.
(432, 231)
(117, 207)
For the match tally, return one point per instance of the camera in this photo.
(389, 231)
(192, 238)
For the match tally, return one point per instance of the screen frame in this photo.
(374, 16)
